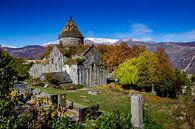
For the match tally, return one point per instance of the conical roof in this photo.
(70, 30)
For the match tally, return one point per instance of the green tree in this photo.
(9, 116)
(139, 71)
(147, 69)
(128, 72)
(165, 74)
(19, 67)
(181, 79)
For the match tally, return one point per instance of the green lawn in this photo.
(160, 108)
(49, 90)
(107, 100)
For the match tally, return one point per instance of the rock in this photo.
(36, 92)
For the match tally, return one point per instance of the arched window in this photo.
(93, 66)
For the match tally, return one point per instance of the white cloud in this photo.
(10, 46)
(137, 31)
(179, 37)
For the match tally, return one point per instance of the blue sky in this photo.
(25, 22)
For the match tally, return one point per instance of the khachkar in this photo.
(137, 111)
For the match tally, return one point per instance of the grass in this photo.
(49, 90)
(114, 99)
(107, 100)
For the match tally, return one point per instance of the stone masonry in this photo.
(90, 72)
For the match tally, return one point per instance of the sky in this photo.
(29, 22)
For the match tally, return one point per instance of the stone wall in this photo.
(70, 41)
(56, 60)
(92, 76)
(36, 70)
(72, 70)
(92, 71)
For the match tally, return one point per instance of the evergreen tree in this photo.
(10, 118)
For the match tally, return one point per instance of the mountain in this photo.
(182, 54)
(27, 52)
(100, 40)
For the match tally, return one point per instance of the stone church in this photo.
(87, 67)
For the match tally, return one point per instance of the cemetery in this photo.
(78, 104)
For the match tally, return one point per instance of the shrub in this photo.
(66, 123)
(149, 121)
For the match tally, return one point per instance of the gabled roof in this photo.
(70, 30)
(87, 50)
(62, 77)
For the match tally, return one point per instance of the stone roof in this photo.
(70, 30)
(62, 77)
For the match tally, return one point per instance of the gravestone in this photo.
(94, 92)
(88, 111)
(62, 100)
(137, 111)
(53, 99)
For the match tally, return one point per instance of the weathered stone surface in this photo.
(90, 72)
(62, 100)
(70, 41)
(137, 111)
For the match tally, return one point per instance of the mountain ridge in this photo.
(182, 54)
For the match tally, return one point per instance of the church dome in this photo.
(70, 30)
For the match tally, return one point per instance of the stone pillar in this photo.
(89, 76)
(62, 100)
(137, 111)
(80, 76)
(98, 76)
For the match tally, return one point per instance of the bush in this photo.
(149, 121)
(66, 123)
(113, 120)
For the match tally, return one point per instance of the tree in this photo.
(113, 55)
(9, 116)
(181, 79)
(19, 67)
(165, 74)
(116, 55)
(128, 72)
(147, 69)
(139, 71)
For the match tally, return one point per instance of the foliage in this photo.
(9, 116)
(138, 71)
(128, 72)
(113, 55)
(181, 79)
(147, 69)
(111, 120)
(165, 74)
(66, 123)
(193, 78)
(41, 117)
(67, 51)
(74, 60)
(149, 121)
(19, 67)
(184, 111)
(47, 51)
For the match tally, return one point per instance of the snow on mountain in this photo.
(8, 46)
(101, 40)
(51, 43)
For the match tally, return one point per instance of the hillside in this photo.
(181, 54)
(27, 52)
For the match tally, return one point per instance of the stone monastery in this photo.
(72, 61)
